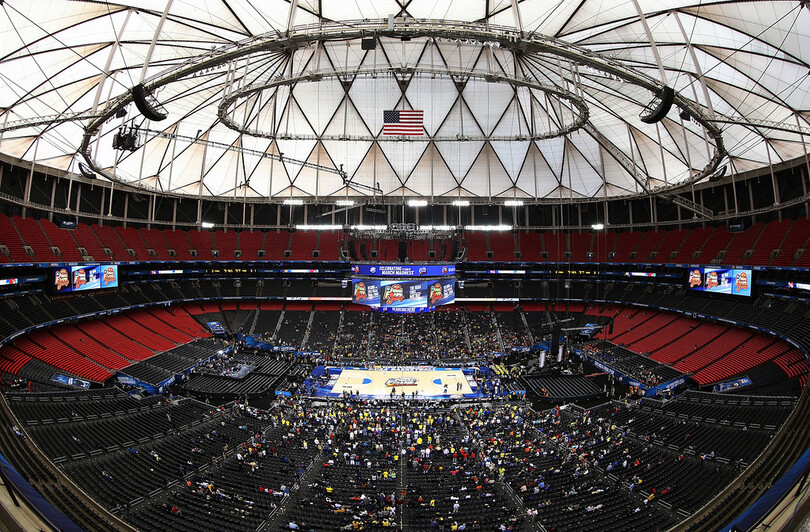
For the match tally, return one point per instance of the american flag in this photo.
(403, 122)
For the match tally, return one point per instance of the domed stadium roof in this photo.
(520, 99)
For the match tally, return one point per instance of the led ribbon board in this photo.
(403, 270)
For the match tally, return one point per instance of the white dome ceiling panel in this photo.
(490, 102)
(535, 175)
(511, 155)
(347, 121)
(753, 55)
(459, 156)
(433, 96)
(487, 176)
(432, 175)
(376, 169)
(292, 151)
(553, 152)
(512, 122)
(371, 99)
(783, 25)
(344, 55)
(579, 174)
(458, 56)
(319, 101)
(349, 153)
(447, 9)
(257, 21)
(403, 156)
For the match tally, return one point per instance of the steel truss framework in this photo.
(491, 135)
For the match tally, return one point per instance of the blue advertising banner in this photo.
(732, 385)
(71, 381)
(404, 296)
(404, 270)
(216, 328)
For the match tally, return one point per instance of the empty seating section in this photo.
(178, 240)
(672, 241)
(711, 352)
(692, 244)
(250, 243)
(742, 242)
(715, 243)
(10, 237)
(33, 236)
(387, 250)
(771, 239)
(62, 239)
(275, 244)
(604, 243)
(156, 241)
(86, 238)
(700, 245)
(503, 246)
(650, 241)
(418, 251)
(555, 245)
(48, 348)
(12, 360)
(795, 239)
(203, 243)
(302, 245)
(477, 246)
(580, 246)
(110, 337)
(80, 342)
(530, 245)
(226, 242)
(134, 330)
(726, 340)
(626, 244)
(329, 244)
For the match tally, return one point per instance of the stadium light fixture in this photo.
(513, 203)
(598, 227)
(207, 225)
(417, 203)
(322, 227)
(488, 227)
(369, 227)
(291, 201)
(344, 202)
(436, 227)
(461, 203)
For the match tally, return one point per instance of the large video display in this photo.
(403, 270)
(81, 278)
(720, 280)
(404, 296)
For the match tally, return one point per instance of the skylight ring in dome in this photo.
(576, 101)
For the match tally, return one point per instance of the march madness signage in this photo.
(403, 296)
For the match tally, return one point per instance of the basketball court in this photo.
(383, 383)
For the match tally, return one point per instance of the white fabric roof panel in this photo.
(58, 58)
